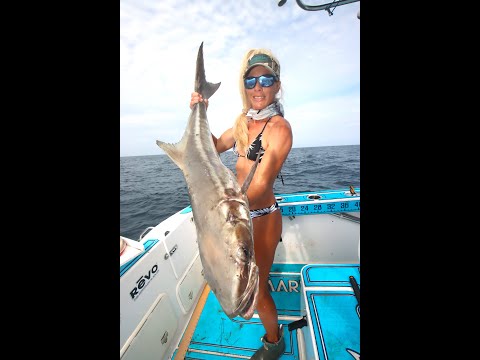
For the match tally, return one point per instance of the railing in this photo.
(327, 7)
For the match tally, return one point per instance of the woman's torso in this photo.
(258, 136)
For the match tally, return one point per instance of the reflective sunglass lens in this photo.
(250, 82)
(264, 80)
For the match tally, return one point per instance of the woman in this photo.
(260, 127)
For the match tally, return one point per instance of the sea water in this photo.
(152, 187)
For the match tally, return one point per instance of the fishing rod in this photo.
(327, 7)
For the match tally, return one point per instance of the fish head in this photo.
(232, 273)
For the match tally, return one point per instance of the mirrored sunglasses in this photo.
(264, 81)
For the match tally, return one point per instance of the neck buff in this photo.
(274, 108)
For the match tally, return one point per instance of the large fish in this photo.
(220, 209)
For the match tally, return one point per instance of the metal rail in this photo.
(324, 6)
(327, 7)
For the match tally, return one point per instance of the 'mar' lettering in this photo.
(292, 286)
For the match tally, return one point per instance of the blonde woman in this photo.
(260, 127)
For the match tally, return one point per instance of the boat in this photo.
(167, 310)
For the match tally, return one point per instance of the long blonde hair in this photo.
(240, 128)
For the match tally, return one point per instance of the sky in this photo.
(319, 57)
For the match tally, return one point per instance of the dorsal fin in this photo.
(174, 151)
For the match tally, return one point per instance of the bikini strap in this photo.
(264, 126)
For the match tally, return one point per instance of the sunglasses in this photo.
(264, 81)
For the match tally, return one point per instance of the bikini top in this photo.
(254, 147)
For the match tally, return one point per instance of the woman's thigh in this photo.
(267, 231)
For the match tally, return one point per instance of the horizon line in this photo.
(293, 147)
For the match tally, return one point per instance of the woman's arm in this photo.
(226, 140)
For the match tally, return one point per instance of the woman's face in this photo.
(260, 97)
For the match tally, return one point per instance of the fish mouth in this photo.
(248, 302)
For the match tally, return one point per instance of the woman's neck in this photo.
(274, 108)
(258, 120)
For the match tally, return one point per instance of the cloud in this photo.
(319, 56)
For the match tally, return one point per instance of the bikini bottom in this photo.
(264, 211)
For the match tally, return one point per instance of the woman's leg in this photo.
(267, 230)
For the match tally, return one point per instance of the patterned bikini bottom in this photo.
(264, 211)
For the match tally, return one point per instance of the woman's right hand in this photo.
(196, 98)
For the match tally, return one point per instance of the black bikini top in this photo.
(254, 147)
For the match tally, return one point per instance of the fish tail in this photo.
(202, 86)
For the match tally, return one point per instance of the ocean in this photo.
(152, 187)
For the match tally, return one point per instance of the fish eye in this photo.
(243, 254)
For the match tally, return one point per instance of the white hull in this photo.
(161, 275)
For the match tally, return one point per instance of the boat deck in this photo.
(218, 337)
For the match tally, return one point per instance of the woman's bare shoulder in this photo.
(280, 125)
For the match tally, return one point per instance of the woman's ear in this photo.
(278, 83)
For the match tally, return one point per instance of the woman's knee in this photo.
(264, 296)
